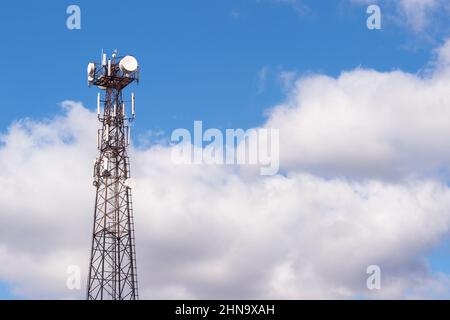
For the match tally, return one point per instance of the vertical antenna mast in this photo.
(112, 269)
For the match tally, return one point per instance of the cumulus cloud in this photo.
(363, 157)
(368, 124)
(297, 236)
(46, 171)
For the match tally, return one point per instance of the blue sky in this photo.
(200, 60)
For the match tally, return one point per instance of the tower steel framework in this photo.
(112, 270)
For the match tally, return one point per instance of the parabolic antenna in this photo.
(101, 87)
(128, 64)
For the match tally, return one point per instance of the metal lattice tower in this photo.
(112, 270)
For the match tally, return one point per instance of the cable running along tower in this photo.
(112, 270)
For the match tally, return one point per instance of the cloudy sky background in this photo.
(364, 156)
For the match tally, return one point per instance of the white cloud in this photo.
(368, 124)
(287, 80)
(217, 235)
(361, 155)
(418, 11)
(45, 173)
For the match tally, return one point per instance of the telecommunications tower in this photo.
(112, 270)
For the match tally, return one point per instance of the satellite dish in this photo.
(91, 71)
(101, 87)
(128, 64)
